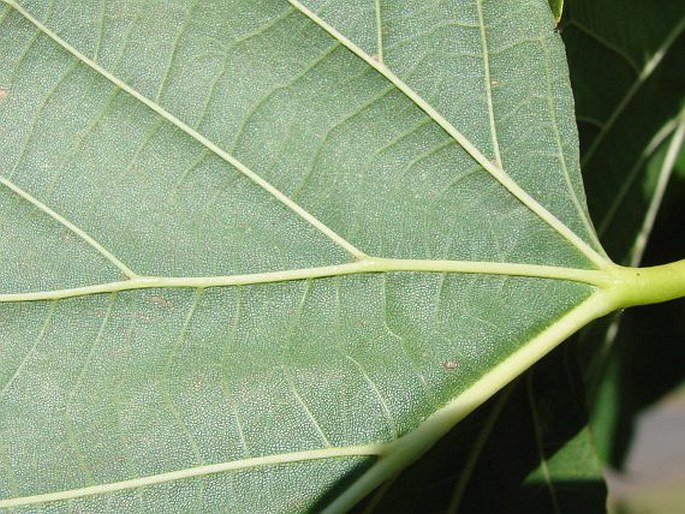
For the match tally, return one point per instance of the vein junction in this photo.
(494, 169)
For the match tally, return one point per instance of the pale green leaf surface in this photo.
(496, 104)
(599, 45)
(254, 144)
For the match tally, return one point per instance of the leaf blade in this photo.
(215, 353)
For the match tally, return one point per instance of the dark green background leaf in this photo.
(629, 83)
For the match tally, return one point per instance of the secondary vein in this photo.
(199, 471)
(69, 225)
(379, 32)
(492, 168)
(242, 168)
(488, 84)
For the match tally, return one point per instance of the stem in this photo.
(654, 284)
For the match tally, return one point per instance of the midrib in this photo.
(596, 278)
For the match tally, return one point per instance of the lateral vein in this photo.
(492, 168)
(407, 449)
(198, 471)
(69, 225)
(242, 168)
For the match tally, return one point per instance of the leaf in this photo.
(262, 255)
(433, 484)
(557, 7)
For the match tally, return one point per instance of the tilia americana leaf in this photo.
(260, 255)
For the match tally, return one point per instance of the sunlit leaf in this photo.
(261, 255)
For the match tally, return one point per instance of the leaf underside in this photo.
(219, 139)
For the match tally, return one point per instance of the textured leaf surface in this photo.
(260, 256)
(626, 178)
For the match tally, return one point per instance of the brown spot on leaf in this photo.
(161, 301)
(449, 364)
